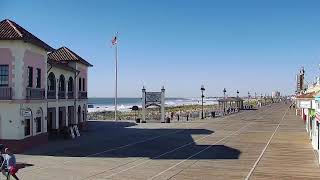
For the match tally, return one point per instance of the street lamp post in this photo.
(249, 99)
(224, 100)
(202, 96)
(237, 93)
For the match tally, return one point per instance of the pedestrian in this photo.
(10, 163)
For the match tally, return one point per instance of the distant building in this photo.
(275, 94)
(43, 90)
(300, 81)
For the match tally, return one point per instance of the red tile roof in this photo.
(9, 30)
(65, 54)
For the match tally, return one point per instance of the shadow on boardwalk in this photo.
(104, 137)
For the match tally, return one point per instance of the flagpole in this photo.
(116, 83)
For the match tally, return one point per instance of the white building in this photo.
(42, 90)
(275, 94)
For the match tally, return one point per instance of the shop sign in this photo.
(317, 98)
(305, 104)
(27, 113)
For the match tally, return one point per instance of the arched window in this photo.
(51, 82)
(62, 85)
(70, 84)
(79, 84)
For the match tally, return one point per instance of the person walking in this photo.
(10, 163)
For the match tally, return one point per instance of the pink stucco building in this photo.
(43, 91)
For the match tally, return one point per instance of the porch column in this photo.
(56, 118)
(67, 116)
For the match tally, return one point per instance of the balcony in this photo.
(51, 95)
(5, 93)
(35, 94)
(70, 95)
(61, 94)
(82, 95)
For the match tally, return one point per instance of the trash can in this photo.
(138, 120)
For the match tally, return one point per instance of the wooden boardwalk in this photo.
(270, 143)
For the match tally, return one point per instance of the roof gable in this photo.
(10, 30)
(65, 54)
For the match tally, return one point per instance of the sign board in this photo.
(153, 97)
(27, 113)
(305, 104)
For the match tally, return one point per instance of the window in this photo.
(38, 78)
(30, 76)
(70, 85)
(62, 84)
(4, 75)
(27, 131)
(38, 121)
(83, 85)
(79, 84)
(51, 82)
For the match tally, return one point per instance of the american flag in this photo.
(114, 40)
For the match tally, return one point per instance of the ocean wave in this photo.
(168, 103)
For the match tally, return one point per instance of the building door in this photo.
(60, 118)
(71, 119)
(27, 127)
(49, 123)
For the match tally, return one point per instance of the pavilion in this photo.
(233, 102)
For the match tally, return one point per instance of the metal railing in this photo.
(82, 95)
(5, 93)
(35, 93)
(71, 95)
(61, 94)
(51, 95)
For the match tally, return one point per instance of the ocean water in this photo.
(124, 104)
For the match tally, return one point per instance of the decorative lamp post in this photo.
(248, 98)
(224, 100)
(202, 96)
(238, 102)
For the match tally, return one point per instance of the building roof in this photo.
(310, 95)
(65, 54)
(230, 99)
(10, 30)
(61, 65)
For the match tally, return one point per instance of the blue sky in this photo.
(255, 46)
